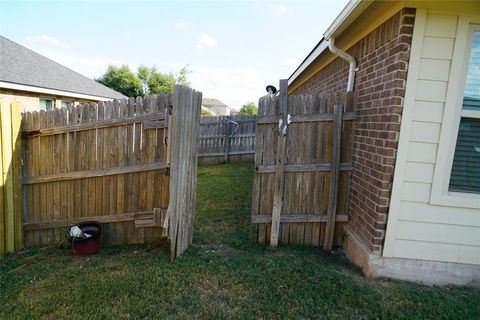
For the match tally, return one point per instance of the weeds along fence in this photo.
(226, 138)
(129, 164)
(303, 160)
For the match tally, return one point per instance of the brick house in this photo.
(39, 83)
(414, 207)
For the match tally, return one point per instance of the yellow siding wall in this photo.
(11, 232)
(419, 228)
(30, 101)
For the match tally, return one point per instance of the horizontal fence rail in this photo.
(226, 138)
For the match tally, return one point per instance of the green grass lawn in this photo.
(223, 275)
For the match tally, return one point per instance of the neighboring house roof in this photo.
(24, 69)
(213, 103)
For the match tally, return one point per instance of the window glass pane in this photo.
(66, 104)
(465, 175)
(43, 104)
(466, 162)
(471, 99)
(46, 104)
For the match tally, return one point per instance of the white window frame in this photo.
(453, 112)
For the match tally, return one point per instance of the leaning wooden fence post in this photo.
(16, 114)
(335, 172)
(227, 140)
(184, 131)
(279, 164)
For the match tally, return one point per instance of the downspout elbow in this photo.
(351, 61)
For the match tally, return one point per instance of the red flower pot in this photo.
(90, 245)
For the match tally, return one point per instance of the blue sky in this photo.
(234, 49)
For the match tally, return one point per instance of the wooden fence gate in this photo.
(130, 164)
(302, 162)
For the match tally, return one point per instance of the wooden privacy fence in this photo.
(130, 164)
(303, 162)
(226, 137)
(11, 234)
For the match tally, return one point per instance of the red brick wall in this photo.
(382, 60)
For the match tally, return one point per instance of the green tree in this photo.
(160, 82)
(146, 81)
(144, 74)
(123, 80)
(205, 113)
(249, 109)
(155, 82)
(181, 77)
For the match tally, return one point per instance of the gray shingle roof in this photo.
(23, 66)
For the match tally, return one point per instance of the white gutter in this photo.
(352, 10)
(351, 61)
(22, 87)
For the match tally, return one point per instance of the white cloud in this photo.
(206, 40)
(46, 40)
(182, 25)
(279, 9)
(233, 86)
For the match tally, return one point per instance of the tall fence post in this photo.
(334, 172)
(280, 163)
(227, 140)
(11, 232)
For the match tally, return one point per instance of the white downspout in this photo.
(345, 56)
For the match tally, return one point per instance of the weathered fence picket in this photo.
(302, 162)
(183, 168)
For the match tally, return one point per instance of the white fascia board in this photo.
(22, 87)
(351, 11)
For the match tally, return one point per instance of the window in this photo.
(46, 104)
(465, 174)
(67, 104)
